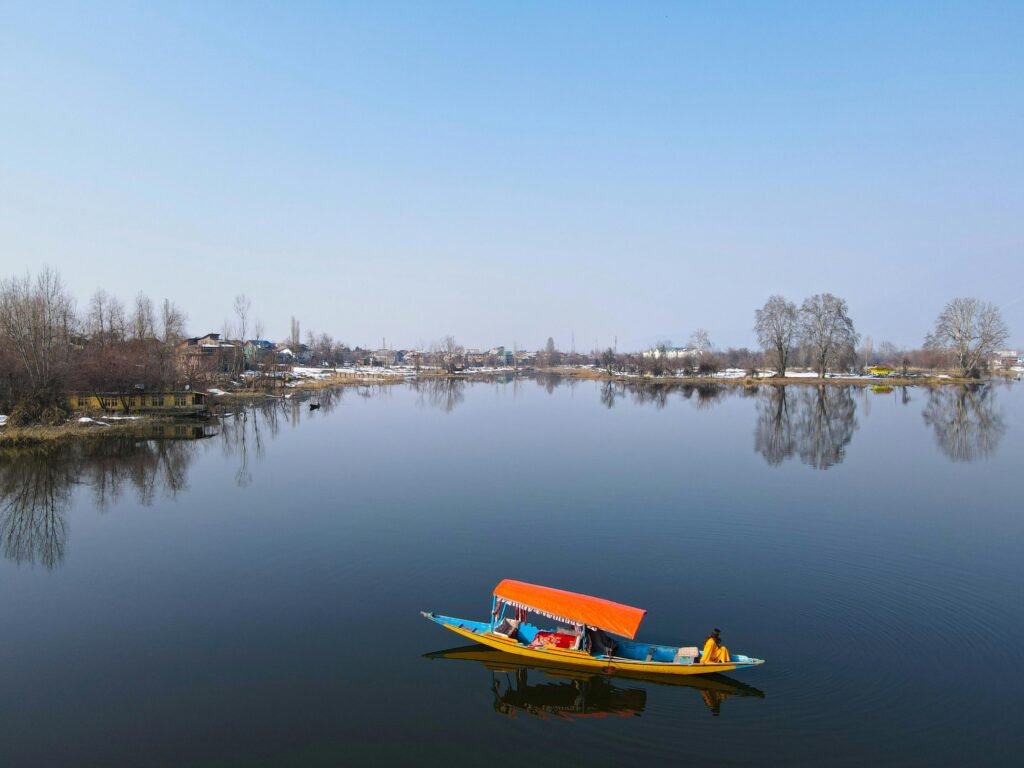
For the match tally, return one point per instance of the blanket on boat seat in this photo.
(553, 640)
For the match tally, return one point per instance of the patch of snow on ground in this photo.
(87, 420)
(3, 420)
(214, 391)
(731, 373)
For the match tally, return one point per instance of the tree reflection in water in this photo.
(549, 380)
(246, 428)
(966, 421)
(35, 495)
(441, 392)
(773, 435)
(610, 392)
(36, 487)
(815, 423)
(658, 393)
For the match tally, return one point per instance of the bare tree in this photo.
(700, 341)
(323, 348)
(449, 353)
(970, 330)
(242, 307)
(866, 354)
(172, 330)
(116, 323)
(608, 360)
(889, 353)
(37, 318)
(143, 323)
(105, 319)
(96, 317)
(172, 323)
(776, 325)
(826, 331)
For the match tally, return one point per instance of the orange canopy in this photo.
(571, 607)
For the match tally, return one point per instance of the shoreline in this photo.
(40, 436)
(142, 425)
(919, 380)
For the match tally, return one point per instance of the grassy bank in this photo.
(25, 437)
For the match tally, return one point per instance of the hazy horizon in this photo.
(505, 174)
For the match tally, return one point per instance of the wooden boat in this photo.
(714, 689)
(570, 645)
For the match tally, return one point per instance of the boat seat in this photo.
(686, 655)
(507, 628)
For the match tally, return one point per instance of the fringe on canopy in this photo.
(554, 616)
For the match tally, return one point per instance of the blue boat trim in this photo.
(626, 650)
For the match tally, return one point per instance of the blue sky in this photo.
(506, 172)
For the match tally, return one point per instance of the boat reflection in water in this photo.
(575, 693)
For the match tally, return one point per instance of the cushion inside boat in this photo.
(526, 633)
(553, 639)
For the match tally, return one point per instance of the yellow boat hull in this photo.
(583, 660)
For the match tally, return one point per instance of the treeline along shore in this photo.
(66, 365)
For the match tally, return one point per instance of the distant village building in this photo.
(1006, 358)
(415, 358)
(475, 358)
(208, 352)
(495, 356)
(170, 403)
(255, 349)
(672, 353)
(384, 357)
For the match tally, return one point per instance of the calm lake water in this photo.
(253, 598)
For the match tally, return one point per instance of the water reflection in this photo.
(659, 393)
(610, 392)
(35, 497)
(814, 423)
(247, 427)
(966, 421)
(549, 380)
(36, 487)
(773, 433)
(442, 393)
(567, 693)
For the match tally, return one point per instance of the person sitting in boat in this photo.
(714, 651)
(600, 643)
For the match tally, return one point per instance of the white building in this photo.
(1006, 358)
(672, 353)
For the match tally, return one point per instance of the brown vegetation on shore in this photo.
(24, 437)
